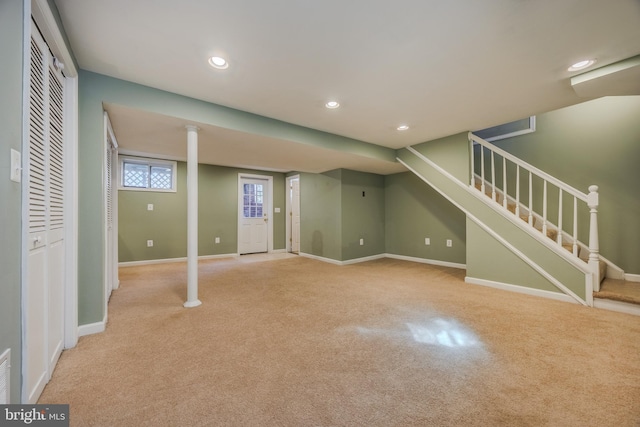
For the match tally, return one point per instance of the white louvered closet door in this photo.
(44, 294)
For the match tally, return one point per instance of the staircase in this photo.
(543, 227)
(546, 209)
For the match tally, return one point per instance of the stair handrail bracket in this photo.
(590, 200)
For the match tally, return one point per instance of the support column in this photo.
(192, 217)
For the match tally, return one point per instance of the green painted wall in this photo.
(94, 89)
(321, 214)
(596, 142)
(488, 259)
(166, 224)
(11, 84)
(363, 216)
(414, 211)
(91, 153)
(451, 153)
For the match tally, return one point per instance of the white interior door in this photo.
(43, 305)
(295, 215)
(253, 215)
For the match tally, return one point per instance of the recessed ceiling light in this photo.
(218, 62)
(582, 65)
(332, 104)
(402, 127)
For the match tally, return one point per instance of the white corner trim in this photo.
(427, 261)
(521, 289)
(632, 277)
(93, 328)
(621, 307)
(170, 260)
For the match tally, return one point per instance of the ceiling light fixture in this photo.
(332, 104)
(582, 65)
(402, 127)
(218, 62)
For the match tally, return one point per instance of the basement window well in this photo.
(142, 174)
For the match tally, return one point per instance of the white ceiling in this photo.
(442, 67)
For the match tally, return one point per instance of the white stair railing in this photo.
(580, 200)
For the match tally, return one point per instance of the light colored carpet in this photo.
(298, 342)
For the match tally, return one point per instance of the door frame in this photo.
(288, 210)
(269, 208)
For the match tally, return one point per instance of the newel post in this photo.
(594, 246)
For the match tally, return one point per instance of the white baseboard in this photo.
(427, 261)
(363, 259)
(521, 289)
(632, 277)
(278, 251)
(169, 260)
(320, 258)
(92, 328)
(385, 255)
(621, 307)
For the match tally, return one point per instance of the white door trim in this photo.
(269, 208)
(288, 210)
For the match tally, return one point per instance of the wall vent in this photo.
(5, 366)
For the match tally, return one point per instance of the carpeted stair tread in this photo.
(619, 290)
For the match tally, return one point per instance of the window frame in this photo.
(148, 162)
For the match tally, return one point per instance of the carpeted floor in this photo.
(298, 342)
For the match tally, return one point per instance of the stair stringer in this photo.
(570, 276)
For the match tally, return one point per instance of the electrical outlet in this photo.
(149, 243)
(276, 210)
(150, 207)
(361, 242)
(217, 240)
(449, 243)
(427, 241)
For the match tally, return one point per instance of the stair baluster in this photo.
(575, 226)
(560, 217)
(504, 182)
(493, 176)
(518, 191)
(530, 199)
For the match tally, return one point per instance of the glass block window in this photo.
(147, 174)
(253, 200)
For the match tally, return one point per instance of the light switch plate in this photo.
(16, 166)
(276, 210)
(150, 207)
